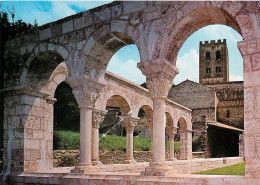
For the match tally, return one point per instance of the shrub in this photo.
(66, 140)
(69, 140)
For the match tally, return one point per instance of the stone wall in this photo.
(231, 97)
(192, 95)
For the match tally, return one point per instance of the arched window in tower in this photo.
(218, 69)
(228, 113)
(218, 56)
(207, 55)
(208, 70)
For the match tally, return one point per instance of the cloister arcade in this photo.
(86, 42)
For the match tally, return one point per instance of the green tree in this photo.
(66, 110)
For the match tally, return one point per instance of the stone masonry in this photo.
(86, 42)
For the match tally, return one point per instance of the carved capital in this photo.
(85, 90)
(98, 117)
(171, 131)
(129, 122)
(159, 76)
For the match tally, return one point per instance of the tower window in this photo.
(228, 113)
(218, 56)
(208, 70)
(218, 69)
(207, 55)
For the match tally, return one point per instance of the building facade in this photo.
(213, 100)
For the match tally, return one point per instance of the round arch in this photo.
(119, 101)
(197, 18)
(100, 48)
(36, 73)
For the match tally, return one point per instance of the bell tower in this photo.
(213, 62)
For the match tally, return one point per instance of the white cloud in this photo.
(188, 65)
(234, 77)
(126, 69)
(86, 5)
(57, 11)
(218, 31)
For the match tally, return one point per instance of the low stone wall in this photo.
(196, 165)
(63, 158)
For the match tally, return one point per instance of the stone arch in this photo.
(169, 120)
(58, 76)
(145, 124)
(36, 73)
(198, 16)
(185, 140)
(119, 101)
(100, 48)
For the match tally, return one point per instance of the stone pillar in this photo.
(159, 77)
(129, 123)
(150, 125)
(97, 119)
(85, 136)
(186, 144)
(250, 51)
(28, 130)
(171, 131)
(241, 145)
(86, 92)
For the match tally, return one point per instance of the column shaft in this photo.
(129, 146)
(158, 130)
(85, 136)
(95, 144)
(171, 148)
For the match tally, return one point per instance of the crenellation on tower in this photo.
(213, 62)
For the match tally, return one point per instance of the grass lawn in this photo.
(69, 140)
(238, 169)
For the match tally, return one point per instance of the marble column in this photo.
(129, 123)
(97, 118)
(86, 92)
(150, 125)
(159, 79)
(171, 131)
(85, 136)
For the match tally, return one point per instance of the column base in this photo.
(158, 169)
(132, 161)
(97, 163)
(172, 159)
(84, 168)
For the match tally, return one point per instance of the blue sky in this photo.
(125, 64)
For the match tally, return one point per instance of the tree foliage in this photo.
(66, 110)
(9, 29)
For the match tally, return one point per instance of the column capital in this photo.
(98, 117)
(129, 122)
(159, 76)
(171, 131)
(86, 90)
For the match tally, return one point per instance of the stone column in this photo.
(97, 119)
(241, 145)
(186, 144)
(150, 125)
(159, 77)
(171, 131)
(86, 92)
(85, 136)
(250, 51)
(129, 123)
